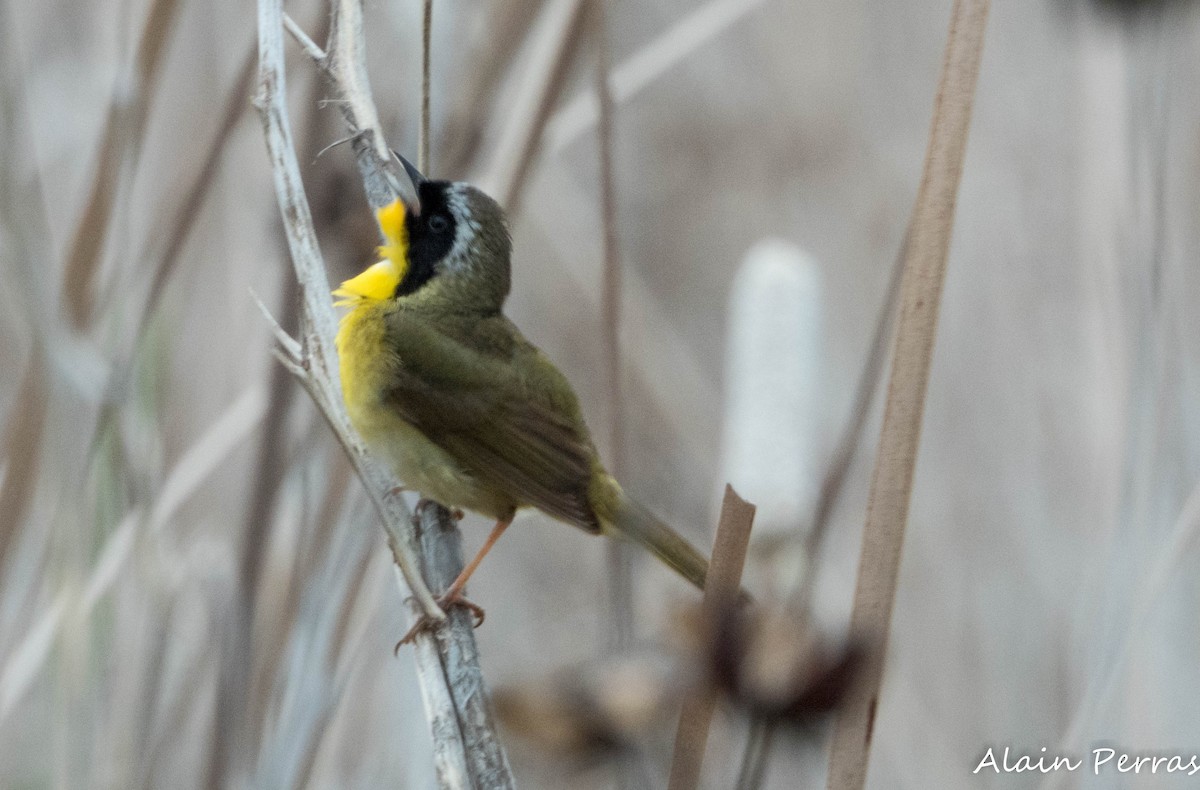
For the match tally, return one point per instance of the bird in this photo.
(469, 413)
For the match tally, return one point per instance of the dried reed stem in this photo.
(123, 128)
(920, 294)
(619, 557)
(839, 464)
(724, 580)
(423, 133)
(22, 449)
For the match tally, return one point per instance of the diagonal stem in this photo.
(920, 294)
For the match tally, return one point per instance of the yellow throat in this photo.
(358, 339)
(379, 281)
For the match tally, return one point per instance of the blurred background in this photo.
(194, 591)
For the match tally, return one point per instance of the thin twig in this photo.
(318, 373)
(619, 555)
(423, 132)
(891, 485)
(839, 465)
(288, 344)
(724, 581)
(22, 451)
(307, 44)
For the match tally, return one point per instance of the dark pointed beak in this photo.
(413, 202)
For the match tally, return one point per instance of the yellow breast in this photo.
(364, 360)
(367, 364)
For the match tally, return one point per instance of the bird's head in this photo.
(448, 245)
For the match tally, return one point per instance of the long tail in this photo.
(636, 522)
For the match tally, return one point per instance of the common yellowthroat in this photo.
(470, 413)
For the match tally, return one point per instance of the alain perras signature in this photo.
(1100, 758)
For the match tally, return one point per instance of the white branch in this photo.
(318, 322)
(289, 346)
(306, 43)
(451, 680)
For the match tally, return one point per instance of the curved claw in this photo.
(424, 623)
(475, 609)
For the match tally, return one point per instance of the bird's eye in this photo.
(438, 224)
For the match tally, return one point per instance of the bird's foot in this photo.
(419, 510)
(458, 599)
(424, 622)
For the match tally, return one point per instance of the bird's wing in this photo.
(494, 418)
